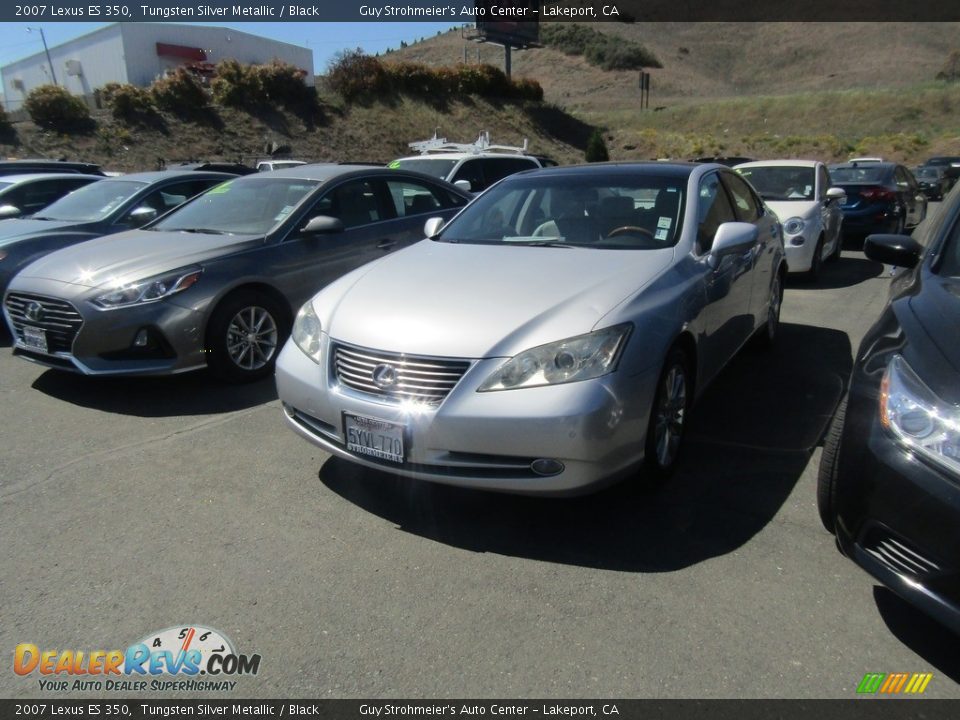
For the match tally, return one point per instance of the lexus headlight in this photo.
(150, 289)
(926, 424)
(794, 226)
(306, 331)
(577, 358)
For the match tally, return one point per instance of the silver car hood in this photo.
(476, 301)
(132, 255)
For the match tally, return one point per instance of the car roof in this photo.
(30, 177)
(157, 175)
(660, 169)
(327, 171)
(779, 163)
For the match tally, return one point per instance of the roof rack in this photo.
(481, 145)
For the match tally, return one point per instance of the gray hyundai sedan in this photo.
(553, 335)
(216, 282)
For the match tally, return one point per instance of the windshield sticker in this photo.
(283, 213)
(662, 234)
(664, 223)
(220, 189)
(394, 165)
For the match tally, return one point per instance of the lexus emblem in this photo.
(33, 311)
(385, 376)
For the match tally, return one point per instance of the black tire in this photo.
(829, 469)
(669, 417)
(236, 357)
(767, 337)
(816, 261)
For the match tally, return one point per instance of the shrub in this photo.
(179, 92)
(237, 85)
(606, 51)
(54, 107)
(5, 126)
(284, 84)
(128, 103)
(951, 68)
(354, 74)
(596, 148)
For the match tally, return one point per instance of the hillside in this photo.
(822, 90)
(375, 132)
(706, 60)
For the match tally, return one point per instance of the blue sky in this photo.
(325, 39)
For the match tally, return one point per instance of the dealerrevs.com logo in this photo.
(894, 683)
(188, 658)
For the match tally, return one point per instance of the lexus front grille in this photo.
(396, 377)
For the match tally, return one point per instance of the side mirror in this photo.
(899, 250)
(322, 225)
(433, 226)
(836, 193)
(9, 211)
(140, 216)
(463, 185)
(730, 238)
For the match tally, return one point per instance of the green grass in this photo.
(903, 124)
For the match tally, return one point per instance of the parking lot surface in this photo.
(132, 505)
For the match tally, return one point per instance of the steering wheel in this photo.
(623, 229)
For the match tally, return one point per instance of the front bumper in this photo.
(799, 250)
(489, 440)
(897, 515)
(103, 343)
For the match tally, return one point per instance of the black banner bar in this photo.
(465, 11)
(134, 709)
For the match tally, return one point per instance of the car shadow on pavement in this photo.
(851, 269)
(195, 393)
(750, 439)
(933, 642)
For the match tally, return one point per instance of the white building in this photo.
(139, 53)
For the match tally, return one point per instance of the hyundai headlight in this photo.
(306, 331)
(918, 418)
(577, 358)
(150, 289)
(794, 226)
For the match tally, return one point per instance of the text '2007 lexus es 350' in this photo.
(215, 282)
(552, 336)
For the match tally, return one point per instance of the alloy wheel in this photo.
(252, 338)
(670, 415)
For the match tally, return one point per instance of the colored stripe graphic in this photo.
(894, 683)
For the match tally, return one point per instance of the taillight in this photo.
(877, 195)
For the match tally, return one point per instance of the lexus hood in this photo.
(466, 300)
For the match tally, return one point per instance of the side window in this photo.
(713, 210)
(354, 203)
(472, 171)
(170, 196)
(900, 176)
(498, 168)
(746, 206)
(413, 198)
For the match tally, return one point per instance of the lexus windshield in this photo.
(604, 212)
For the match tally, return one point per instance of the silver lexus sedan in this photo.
(552, 336)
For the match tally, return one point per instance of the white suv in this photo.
(472, 167)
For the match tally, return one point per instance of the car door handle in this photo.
(386, 244)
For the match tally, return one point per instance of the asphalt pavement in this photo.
(128, 506)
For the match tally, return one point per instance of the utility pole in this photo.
(53, 73)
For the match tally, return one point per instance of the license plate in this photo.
(377, 438)
(34, 338)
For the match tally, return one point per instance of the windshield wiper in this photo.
(201, 231)
(536, 242)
